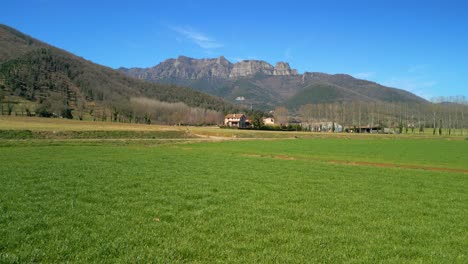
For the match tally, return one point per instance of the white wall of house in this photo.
(269, 121)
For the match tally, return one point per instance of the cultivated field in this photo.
(191, 195)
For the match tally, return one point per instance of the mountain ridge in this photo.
(210, 68)
(254, 79)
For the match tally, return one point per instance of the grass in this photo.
(53, 125)
(59, 124)
(419, 152)
(97, 134)
(287, 200)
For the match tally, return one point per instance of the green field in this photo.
(322, 199)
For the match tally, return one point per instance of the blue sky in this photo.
(420, 46)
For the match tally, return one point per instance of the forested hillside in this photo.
(54, 82)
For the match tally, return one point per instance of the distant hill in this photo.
(37, 72)
(267, 86)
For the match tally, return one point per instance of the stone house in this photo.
(237, 120)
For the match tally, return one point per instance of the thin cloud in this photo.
(364, 75)
(287, 54)
(414, 85)
(202, 40)
(416, 81)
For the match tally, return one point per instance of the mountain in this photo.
(40, 73)
(218, 68)
(266, 86)
(14, 43)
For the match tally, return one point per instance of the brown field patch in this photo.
(391, 165)
(360, 163)
(284, 157)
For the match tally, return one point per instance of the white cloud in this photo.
(364, 75)
(287, 54)
(202, 40)
(417, 86)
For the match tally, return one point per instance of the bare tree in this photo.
(307, 113)
(359, 117)
(80, 107)
(2, 97)
(434, 116)
(281, 115)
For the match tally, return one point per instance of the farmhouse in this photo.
(269, 121)
(237, 120)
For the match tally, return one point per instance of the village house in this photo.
(268, 121)
(237, 120)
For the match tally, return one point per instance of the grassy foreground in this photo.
(375, 199)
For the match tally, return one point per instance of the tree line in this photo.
(443, 115)
(137, 110)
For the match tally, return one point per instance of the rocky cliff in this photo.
(282, 68)
(188, 68)
(218, 68)
(250, 68)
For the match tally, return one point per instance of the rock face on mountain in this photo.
(188, 68)
(250, 68)
(282, 68)
(185, 68)
(266, 86)
(218, 68)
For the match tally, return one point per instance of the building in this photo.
(364, 129)
(268, 121)
(325, 126)
(237, 120)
